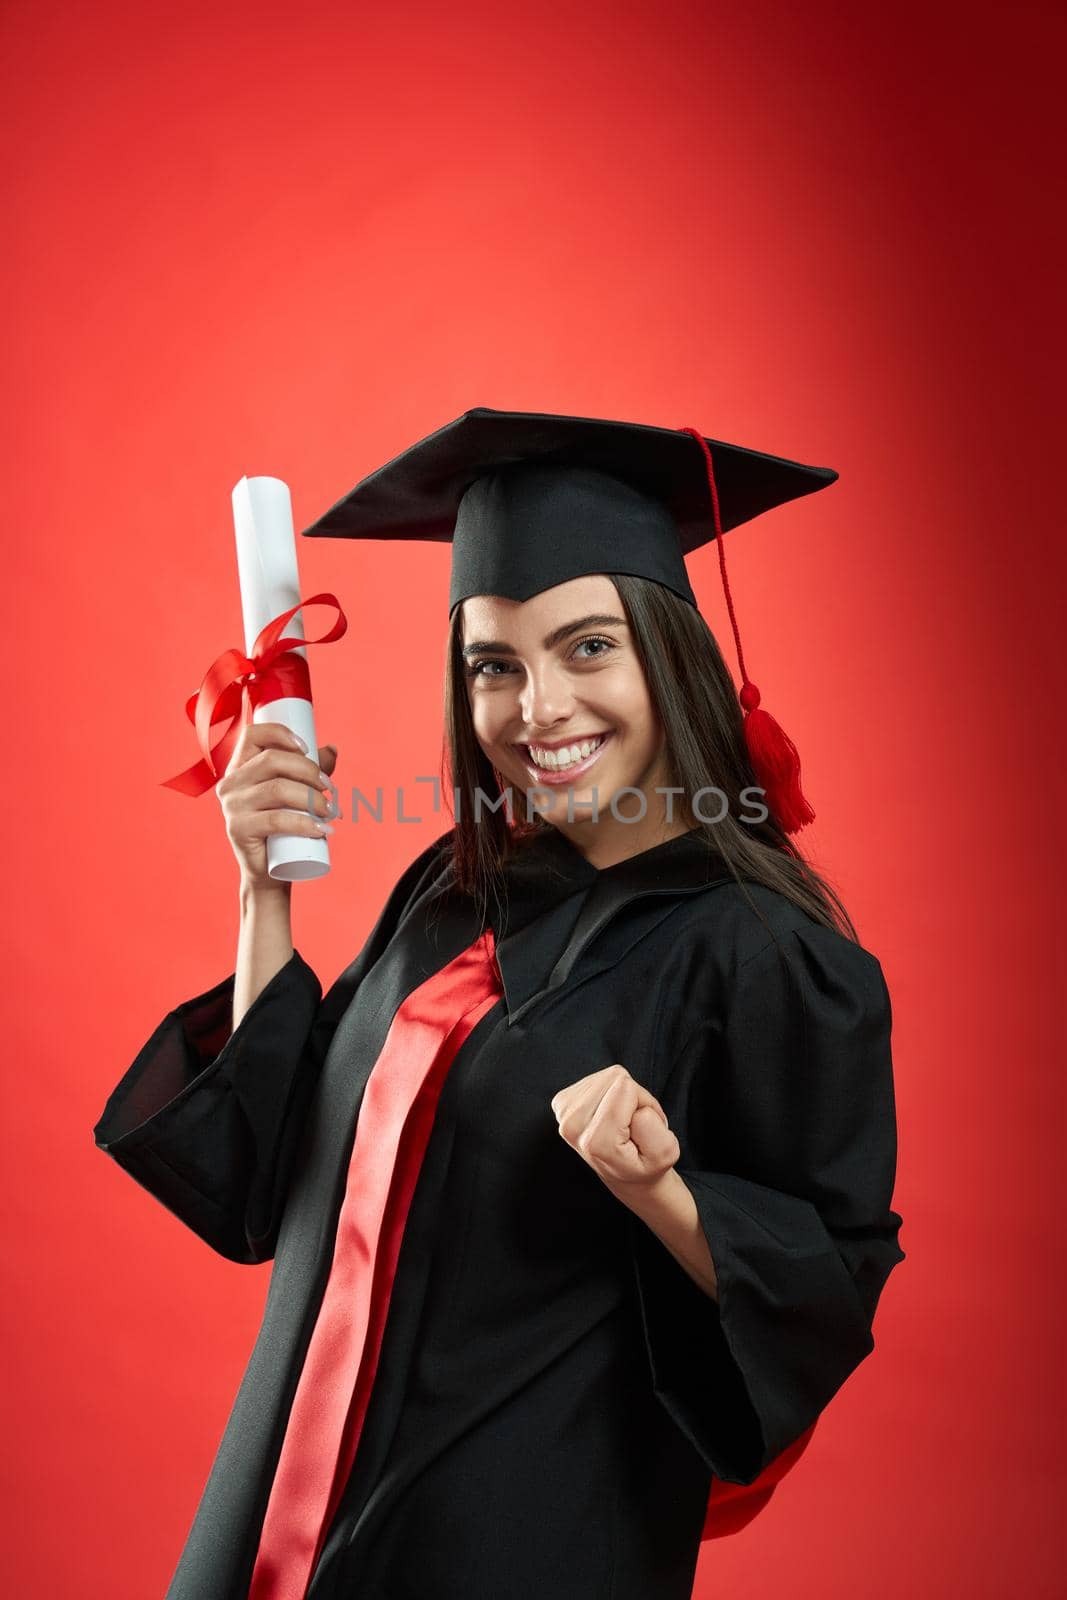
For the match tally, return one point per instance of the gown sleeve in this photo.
(209, 1120)
(788, 1146)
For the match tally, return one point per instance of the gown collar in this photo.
(549, 862)
(546, 871)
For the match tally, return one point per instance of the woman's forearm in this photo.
(264, 942)
(668, 1208)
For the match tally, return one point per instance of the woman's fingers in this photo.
(272, 787)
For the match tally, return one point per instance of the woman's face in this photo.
(556, 672)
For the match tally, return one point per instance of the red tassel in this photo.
(774, 756)
(776, 763)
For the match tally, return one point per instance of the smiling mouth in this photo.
(570, 758)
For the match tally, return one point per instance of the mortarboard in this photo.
(529, 500)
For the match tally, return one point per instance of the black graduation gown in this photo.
(556, 1400)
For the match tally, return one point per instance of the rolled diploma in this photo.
(270, 584)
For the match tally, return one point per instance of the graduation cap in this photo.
(528, 500)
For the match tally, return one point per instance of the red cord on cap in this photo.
(774, 756)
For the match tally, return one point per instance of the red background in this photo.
(265, 240)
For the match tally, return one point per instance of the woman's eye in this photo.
(606, 642)
(475, 669)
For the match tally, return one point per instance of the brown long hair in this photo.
(694, 696)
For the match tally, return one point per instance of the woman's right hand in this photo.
(271, 786)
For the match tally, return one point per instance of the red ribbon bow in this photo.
(272, 672)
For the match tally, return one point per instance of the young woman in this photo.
(577, 1182)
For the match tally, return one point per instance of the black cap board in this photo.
(529, 500)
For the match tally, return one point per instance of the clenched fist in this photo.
(617, 1126)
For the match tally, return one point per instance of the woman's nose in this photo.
(546, 697)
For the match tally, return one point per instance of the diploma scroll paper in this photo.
(270, 584)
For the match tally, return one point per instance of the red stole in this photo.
(392, 1131)
(732, 1505)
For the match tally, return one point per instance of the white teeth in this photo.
(568, 756)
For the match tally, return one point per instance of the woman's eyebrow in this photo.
(597, 620)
